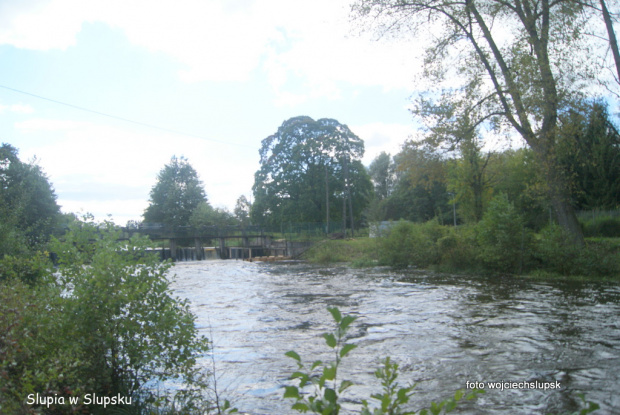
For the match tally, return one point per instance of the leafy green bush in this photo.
(30, 269)
(35, 354)
(411, 244)
(362, 251)
(502, 239)
(458, 249)
(131, 330)
(556, 254)
(104, 324)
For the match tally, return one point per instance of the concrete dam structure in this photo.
(231, 242)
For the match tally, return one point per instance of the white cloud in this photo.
(17, 108)
(40, 24)
(105, 170)
(219, 40)
(381, 136)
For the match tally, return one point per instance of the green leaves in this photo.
(335, 312)
(330, 340)
(448, 405)
(291, 392)
(346, 349)
(177, 193)
(301, 172)
(323, 376)
(293, 355)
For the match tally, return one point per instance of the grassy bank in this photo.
(544, 255)
(359, 252)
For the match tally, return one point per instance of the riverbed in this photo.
(442, 330)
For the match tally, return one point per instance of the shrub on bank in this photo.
(30, 269)
(361, 251)
(498, 243)
(412, 244)
(556, 254)
(104, 324)
(503, 242)
(458, 249)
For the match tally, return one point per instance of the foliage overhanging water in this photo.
(442, 330)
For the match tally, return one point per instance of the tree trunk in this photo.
(559, 196)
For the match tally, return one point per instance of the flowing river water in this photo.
(442, 330)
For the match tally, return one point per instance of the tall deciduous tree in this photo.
(590, 152)
(420, 193)
(306, 167)
(382, 174)
(242, 210)
(509, 63)
(28, 205)
(175, 196)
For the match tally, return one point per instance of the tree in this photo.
(514, 65)
(206, 215)
(589, 150)
(176, 194)
(242, 210)
(420, 192)
(27, 204)
(381, 171)
(306, 168)
(518, 176)
(470, 181)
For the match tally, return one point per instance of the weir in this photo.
(231, 242)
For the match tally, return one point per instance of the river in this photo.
(442, 330)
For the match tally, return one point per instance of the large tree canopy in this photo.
(501, 64)
(308, 169)
(175, 196)
(27, 204)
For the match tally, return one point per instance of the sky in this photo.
(203, 79)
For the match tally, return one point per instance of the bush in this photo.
(411, 244)
(29, 269)
(557, 254)
(362, 251)
(36, 356)
(503, 242)
(130, 328)
(105, 324)
(458, 249)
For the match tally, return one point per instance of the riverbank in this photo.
(358, 252)
(365, 252)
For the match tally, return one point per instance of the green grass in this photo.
(360, 252)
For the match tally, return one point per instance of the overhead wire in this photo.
(116, 117)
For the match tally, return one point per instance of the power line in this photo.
(121, 118)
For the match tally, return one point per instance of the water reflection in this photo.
(442, 330)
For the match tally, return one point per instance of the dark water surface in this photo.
(442, 330)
